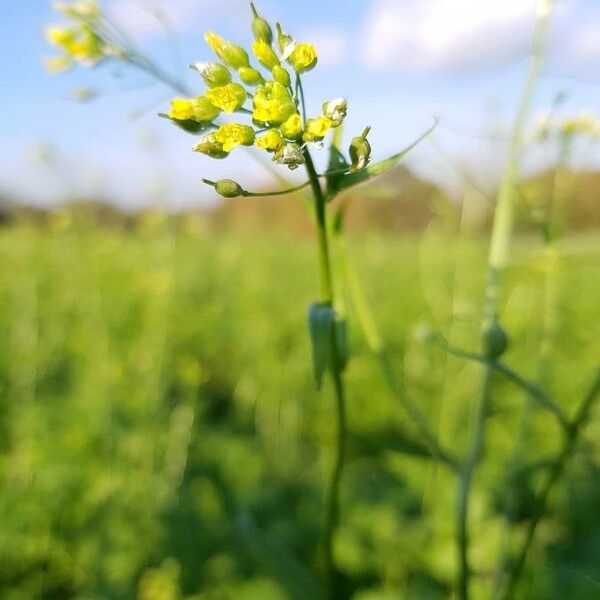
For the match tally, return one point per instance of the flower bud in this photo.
(231, 135)
(213, 74)
(303, 57)
(284, 41)
(316, 129)
(265, 54)
(231, 54)
(199, 109)
(250, 76)
(289, 155)
(292, 127)
(272, 141)
(360, 151)
(229, 188)
(60, 36)
(260, 27)
(228, 98)
(336, 110)
(210, 146)
(495, 341)
(280, 75)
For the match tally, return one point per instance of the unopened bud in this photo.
(231, 54)
(290, 156)
(213, 74)
(495, 341)
(260, 27)
(281, 76)
(250, 76)
(229, 188)
(283, 39)
(336, 110)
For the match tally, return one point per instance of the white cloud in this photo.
(145, 18)
(332, 45)
(447, 35)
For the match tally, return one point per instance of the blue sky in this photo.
(399, 63)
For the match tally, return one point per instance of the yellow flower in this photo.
(231, 135)
(271, 141)
(273, 104)
(231, 54)
(265, 55)
(292, 128)
(316, 129)
(198, 109)
(250, 76)
(228, 97)
(210, 146)
(303, 57)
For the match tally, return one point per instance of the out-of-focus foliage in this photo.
(162, 438)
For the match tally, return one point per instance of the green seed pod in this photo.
(495, 341)
(360, 151)
(250, 76)
(229, 188)
(260, 27)
(214, 74)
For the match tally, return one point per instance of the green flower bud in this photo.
(250, 76)
(336, 110)
(303, 57)
(265, 54)
(229, 188)
(280, 75)
(495, 341)
(231, 54)
(213, 74)
(210, 146)
(260, 27)
(360, 151)
(284, 41)
(290, 156)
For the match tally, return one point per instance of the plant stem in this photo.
(332, 511)
(498, 256)
(557, 469)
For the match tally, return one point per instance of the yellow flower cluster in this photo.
(275, 111)
(79, 41)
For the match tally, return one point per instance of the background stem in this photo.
(498, 257)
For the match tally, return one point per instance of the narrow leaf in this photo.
(188, 125)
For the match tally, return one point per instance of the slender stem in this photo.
(332, 511)
(498, 257)
(579, 422)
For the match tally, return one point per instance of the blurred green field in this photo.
(162, 438)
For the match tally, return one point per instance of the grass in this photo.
(162, 437)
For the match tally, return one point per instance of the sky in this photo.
(400, 64)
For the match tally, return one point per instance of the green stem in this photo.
(498, 257)
(332, 511)
(579, 422)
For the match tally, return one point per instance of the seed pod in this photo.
(360, 151)
(229, 188)
(495, 341)
(260, 27)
